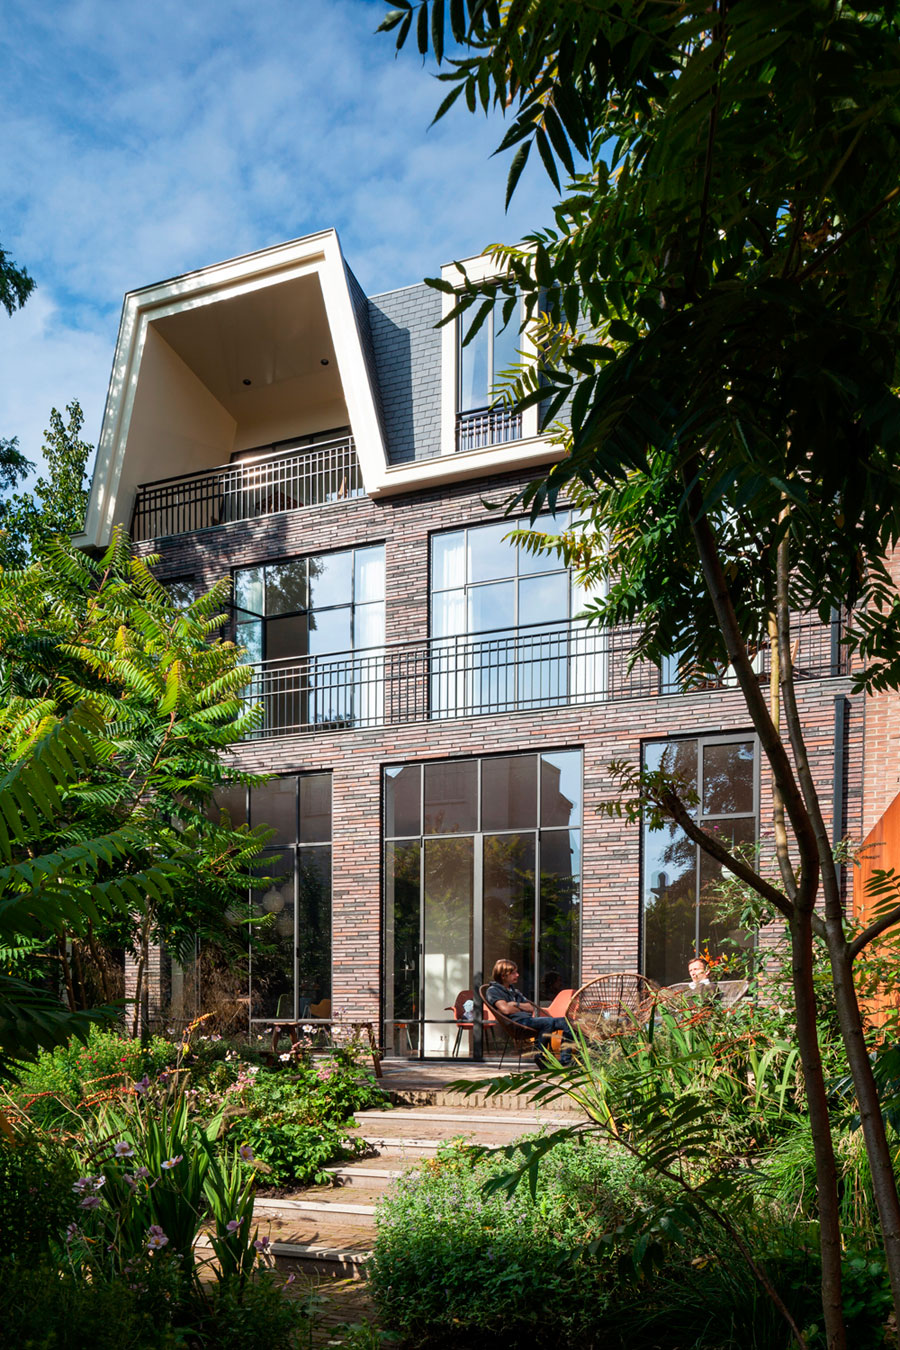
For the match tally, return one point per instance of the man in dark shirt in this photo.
(503, 995)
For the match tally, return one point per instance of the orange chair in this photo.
(462, 1022)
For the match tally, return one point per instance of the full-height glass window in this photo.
(318, 624)
(482, 859)
(682, 915)
(290, 957)
(502, 636)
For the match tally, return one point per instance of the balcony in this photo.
(266, 486)
(512, 671)
(488, 426)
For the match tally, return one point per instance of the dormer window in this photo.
(472, 373)
(492, 352)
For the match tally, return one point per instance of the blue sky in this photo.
(145, 139)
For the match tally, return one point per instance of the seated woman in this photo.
(503, 995)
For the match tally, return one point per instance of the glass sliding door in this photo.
(482, 861)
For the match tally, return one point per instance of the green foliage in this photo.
(296, 1122)
(111, 674)
(56, 505)
(36, 1200)
(453, 1266)
(15, 284)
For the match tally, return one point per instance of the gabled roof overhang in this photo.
(317, 255)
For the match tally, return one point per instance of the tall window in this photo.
(682, 914)
(493, 350)
(482, 861)
(290, 957)
(320, 621)
(500, 624)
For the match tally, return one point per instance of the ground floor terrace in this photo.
(406, 860)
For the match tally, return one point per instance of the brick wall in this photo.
(605, 731)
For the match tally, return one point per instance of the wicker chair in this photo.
(612, 1005)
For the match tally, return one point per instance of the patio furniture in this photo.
(516, 1035)
(295, 1030)
(611, 1005)
(462, 1022)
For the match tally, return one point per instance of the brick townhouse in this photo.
(438, 720)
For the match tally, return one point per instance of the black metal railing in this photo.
(489, 426)
(513, 670)
(284, 481)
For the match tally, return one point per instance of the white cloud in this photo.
(47, 363)
(145, 140)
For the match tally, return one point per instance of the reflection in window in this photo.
(502, 625)
(681, 914)
(290, 958)
(318, 623)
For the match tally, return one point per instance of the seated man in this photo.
(503, 995)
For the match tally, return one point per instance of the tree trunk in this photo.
(67, 973)
(820, 1127)
(884, 1182)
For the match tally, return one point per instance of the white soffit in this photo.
(318, 255)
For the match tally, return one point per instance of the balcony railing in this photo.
(490, 426)
(513, 670)
(283, 481)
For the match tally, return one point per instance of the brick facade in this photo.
(605, 731)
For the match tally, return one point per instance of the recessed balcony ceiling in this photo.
(268, 336)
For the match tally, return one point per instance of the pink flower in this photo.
(172, 1162)
(123, 1149)
(156, 1238)
(233, 1225)
(246, 1153)
(90, 1202)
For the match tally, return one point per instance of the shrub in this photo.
(295, 1120)
(452, 1265)
(36, 1198)
(64, 1079)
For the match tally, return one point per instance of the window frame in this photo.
(483, 268)
(352, 604)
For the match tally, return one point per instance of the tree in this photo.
(15, 284)
(720, 295)
(58, 503)
(169, 698)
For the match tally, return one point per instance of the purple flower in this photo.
(246, 1153)
(262, 1244)
(141, 1173)
(90, 1202)
(233, 1225)
(172, 1162)
(156, 1238)
(73, 1232)
(142, 1086)
(123, 1149)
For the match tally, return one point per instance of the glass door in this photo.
(482, 862)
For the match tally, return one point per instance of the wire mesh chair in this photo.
(612, 1005)
(519, 1037)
